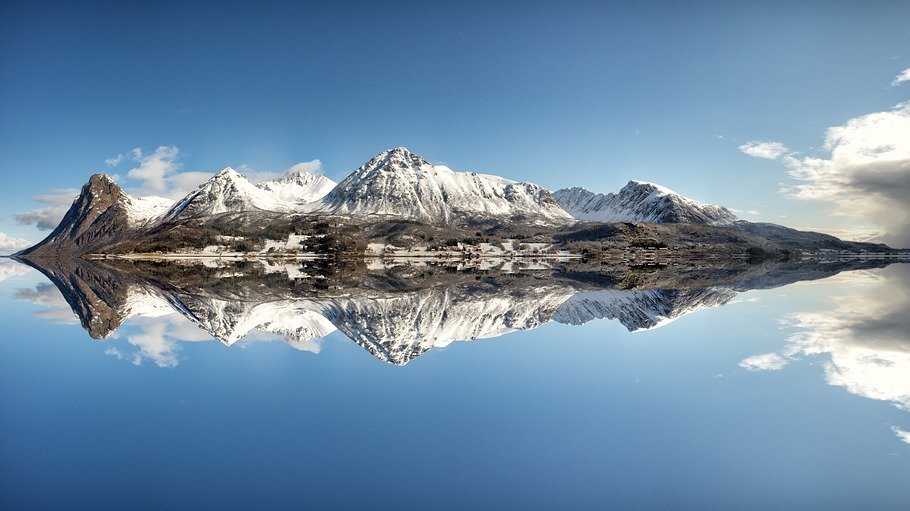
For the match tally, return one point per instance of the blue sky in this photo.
(589, 94)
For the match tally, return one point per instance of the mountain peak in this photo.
(96, 215)
(641, 201)
(299, 186)
(399, 158)
(400, 150)
(399, 183)
(225, 192)
(101, 178)
(649, 186)
(227, 172)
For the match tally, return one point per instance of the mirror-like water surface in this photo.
(251, 385)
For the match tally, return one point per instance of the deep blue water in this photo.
(559, 417)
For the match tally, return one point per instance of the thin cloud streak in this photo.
(904, 76)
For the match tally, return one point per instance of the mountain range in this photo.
(392, 193)
(640, 201)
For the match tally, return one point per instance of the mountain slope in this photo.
(299, 187)
(226, 192)
(401, 184)
(639, 309)
(100, 212)
(641, 201)
(146, 210)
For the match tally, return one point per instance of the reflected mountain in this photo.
(399, 310)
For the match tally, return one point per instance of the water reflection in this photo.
(862, 339)
(398, 311)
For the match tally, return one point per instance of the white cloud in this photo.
(865, 174)
(114, 352)
(312, 166)
(56, 309)
(766, 150)
(764, 362)
(180, 184)
(114, 160)
(155, 168)
(862, 338)
(903, 435)
(904, 76)
(748, 212)
(11, 244)
(154, 344)
(10, 269)
(56, 203)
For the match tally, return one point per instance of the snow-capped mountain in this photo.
(231, 320)
(640, 309)
(398, 327)
(299, 187)
(640, 201)
(226, 192)
(401, 184)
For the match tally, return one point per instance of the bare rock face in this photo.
(98, 216)
(97, 294)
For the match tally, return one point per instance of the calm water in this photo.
(792, 397)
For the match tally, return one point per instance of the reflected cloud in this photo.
(903, 435)
(9, 269)
(154, 344)
(55, 307)
(863, 339)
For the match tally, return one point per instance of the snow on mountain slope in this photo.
(231, 320)
(639, 309)
(226, 191)
(299, 187)
(640, 201)
(397, 328)
(144, 210)
(146, 302)
(401, 184)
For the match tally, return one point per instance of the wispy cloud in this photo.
(766, 150)
(55, 309)
(904, 76)
(312, 166)
(764, 362)
(903, 435)
(154, 344)
(154, 169)
(11, 244)
(56, 202)
(113, 161)
(746, 211)
(9, 269)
